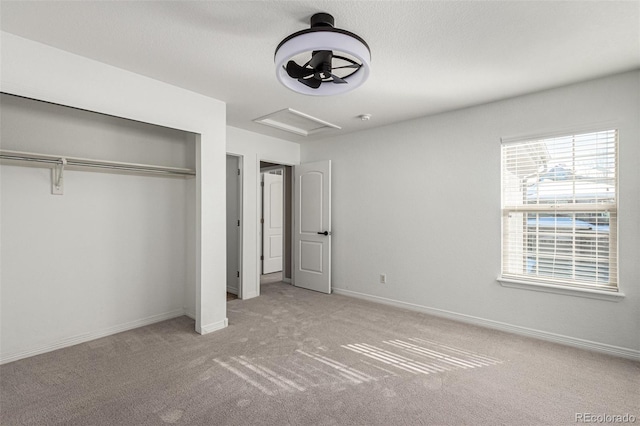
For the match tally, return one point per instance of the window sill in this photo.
(558, 289)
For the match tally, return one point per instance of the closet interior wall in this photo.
(115, 251)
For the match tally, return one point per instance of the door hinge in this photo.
(238, 222)
(238, 274)
(261, 257)
(238, 172)
(261, 183)
(261, 220)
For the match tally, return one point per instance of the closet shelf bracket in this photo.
(57, 177)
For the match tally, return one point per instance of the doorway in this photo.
(234, 227)
(276, 222)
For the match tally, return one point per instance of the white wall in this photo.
(254, 148)
(38, 71)
(420, 201)
(41, 127)
(108, 255)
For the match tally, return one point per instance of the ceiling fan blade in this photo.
(338, 80)
(311, 82)
(320, 57)
(296, 71)
(347, 66)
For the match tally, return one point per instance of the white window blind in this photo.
(559, 204)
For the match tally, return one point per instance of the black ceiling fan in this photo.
(324, 54)
(320, 69)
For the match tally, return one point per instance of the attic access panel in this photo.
(296, 122)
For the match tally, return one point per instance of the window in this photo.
(559, 201)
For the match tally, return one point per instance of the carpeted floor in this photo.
(298, 357)
(274, 277)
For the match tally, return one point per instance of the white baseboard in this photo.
(71, 341)
(208, 328)
(497, 325)
(286, 280)
(249, 295)
(232, 290)
(219, 325)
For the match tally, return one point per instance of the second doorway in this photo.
(276, 222)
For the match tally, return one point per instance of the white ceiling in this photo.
(427, 57)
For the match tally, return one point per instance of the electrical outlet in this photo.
(383, 278)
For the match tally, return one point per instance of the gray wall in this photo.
(420, 201)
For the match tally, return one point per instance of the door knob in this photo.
(324, 233)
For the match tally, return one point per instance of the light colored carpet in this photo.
(274, 277)
(298, 357)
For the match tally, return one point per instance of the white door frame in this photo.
(280, 164)
(264, 171)
(241, 227)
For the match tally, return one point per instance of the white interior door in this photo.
(272, 207)
(312, 234)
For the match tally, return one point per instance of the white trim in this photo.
(584, 128)
(286, 280)
(259, 230)
(238, 291)
(285, 188)
(82, 338)
(241, 227)
(611, 296)
(259, 226)
(271, 168)
(497, 325)
(249, 295)
(233, 290)
(281, 125)
(516, 250)
(218, 325)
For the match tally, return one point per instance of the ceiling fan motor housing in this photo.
(322, 20)
(323, 36)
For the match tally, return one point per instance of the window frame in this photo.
(553, 284)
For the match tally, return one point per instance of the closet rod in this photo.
(84, 162)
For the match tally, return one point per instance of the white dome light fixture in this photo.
(332, 61)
